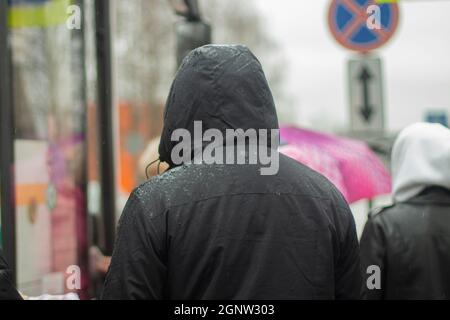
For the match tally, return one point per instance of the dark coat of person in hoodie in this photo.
(213, 231)
(409, 241)
(7, 289)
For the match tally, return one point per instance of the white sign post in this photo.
(366, 94)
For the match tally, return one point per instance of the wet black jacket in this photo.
(226, 231)
(7, 290)
(410, 242)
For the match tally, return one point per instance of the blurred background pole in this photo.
(192, 32)
(105, 122)
(78, 49)
(6, 143)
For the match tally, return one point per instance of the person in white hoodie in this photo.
(405, 248)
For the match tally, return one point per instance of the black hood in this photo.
(223, 86)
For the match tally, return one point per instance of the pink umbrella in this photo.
(349, 164)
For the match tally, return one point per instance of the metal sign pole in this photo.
(7, 199)
(105, 121)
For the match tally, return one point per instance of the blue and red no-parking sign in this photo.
(348, 23)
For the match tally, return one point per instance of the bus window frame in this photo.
(7, 184)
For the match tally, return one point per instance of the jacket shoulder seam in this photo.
(377, 211)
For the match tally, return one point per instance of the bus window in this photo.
(50, 147)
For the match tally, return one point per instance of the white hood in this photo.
(420, 158)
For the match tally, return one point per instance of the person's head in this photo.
(420, 159)
(147, 166)
(221, 86)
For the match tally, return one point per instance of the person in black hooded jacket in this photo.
(7, 289)
(225, 231)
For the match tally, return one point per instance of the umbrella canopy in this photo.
(349, 164)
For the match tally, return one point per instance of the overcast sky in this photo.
(416, 61)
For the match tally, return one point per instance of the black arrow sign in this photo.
(366, 110)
